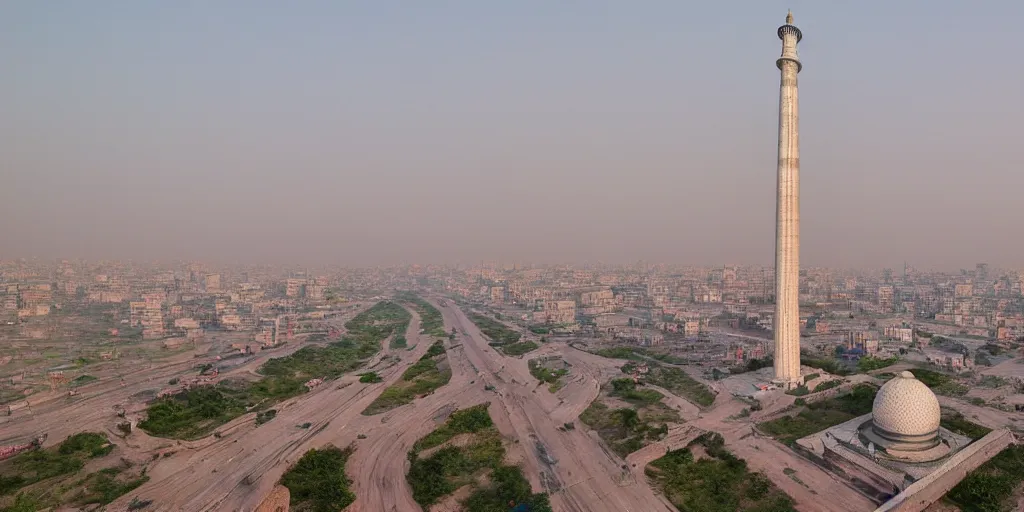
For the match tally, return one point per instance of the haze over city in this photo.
(530, 258)
(397, 132)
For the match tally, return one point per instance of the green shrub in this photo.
(518, 349)
(627, 390)
(103, 487)
(991, 487)
(317, 481)
(828, 385)
(829, 365)
(798, 391)
(451, 467)
(91, 443)
(265, 416)
(720, 482)
(195, 412)
(463, 421)
(820, 415)
(369, 377)
(495, 330)
(421, 378)
(867, 364)
(431, 320)
(546, 375)
(82, 380)
(957, 423)
(678, 382)
(507, 486)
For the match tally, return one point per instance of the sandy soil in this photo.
(235, 472)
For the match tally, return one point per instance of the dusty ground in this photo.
(235, 472)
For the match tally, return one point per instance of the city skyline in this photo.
(249, 215)
(359, 137)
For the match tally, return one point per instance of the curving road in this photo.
(235, 471)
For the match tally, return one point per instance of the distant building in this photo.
(497, 294)
(886, 298)
(865, 342)
(211, 282)
(559, 311)
(691, 328)
(147, 315)
(899, 333)
(314, 291)
(294, 287)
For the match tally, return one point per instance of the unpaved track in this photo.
(233, 473)
(236, 471)
(93, 407)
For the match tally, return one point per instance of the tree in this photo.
(628, 417)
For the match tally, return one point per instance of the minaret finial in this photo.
(789, 18)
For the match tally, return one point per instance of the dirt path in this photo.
(234, 472)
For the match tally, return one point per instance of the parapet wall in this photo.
(872, 486)
(922, 493)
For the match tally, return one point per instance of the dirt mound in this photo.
(276, 501)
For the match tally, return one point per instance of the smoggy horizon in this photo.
(392, 133)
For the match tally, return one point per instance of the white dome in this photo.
(905, 406)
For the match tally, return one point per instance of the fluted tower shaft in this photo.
(787, 216)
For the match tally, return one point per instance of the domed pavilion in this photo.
(900, 442)
(904, 422)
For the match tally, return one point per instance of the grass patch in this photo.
(451, 467)
(818, 416)
(827, 385)
(198, 411)
(867, 364)
(717, 482)
(638, 354)
(369, 378)
(495, 330)
(265, 416)
(627, 429)
(426, 375)
(828, 365)
(317, 481)
(677, 382)
(194, 413)
(628, 390)
(958, 424)
(941, 383)
(90, 444)
(82, 380)
(430, 318)
(552, 377)
(993, 486)
(398, 341)
(798, 391)
(107, 485)
(620, 353)
(68, 457)
(993, 381)
(624, 430)
(464, 421)
(517, 349)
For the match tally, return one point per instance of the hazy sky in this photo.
(386, 132)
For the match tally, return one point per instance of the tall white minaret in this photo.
(787, 216)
